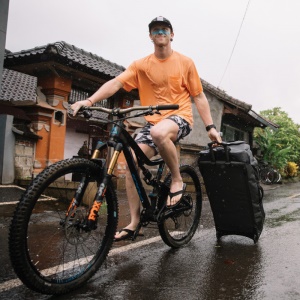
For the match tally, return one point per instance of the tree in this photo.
(281, 146)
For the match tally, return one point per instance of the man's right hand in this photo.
(77, 105)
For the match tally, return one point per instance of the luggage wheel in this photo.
(255, 238)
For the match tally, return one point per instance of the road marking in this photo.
(12, 186)
(135, 245)
(293, 196)
(10, 284)
(40, 200)
(6, 203)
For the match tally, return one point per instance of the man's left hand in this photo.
(214, 135)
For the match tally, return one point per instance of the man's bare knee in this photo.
(156, 134)
(163, 131)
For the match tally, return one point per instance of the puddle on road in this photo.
(282, 219)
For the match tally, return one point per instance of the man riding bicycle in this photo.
(164, 77)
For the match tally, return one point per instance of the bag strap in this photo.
(222, 144)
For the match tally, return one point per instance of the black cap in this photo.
(159, 20)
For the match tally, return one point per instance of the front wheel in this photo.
(51, 250)
(178, 228)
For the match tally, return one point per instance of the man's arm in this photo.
(108, 89)
(204, 112)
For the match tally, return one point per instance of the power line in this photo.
(234, 44)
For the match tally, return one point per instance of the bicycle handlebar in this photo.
(167, 107)
(117, 111)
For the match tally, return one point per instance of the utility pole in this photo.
(7, 138)
(3, 26)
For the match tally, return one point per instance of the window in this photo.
(233, 134)
(59, 117)
(78, 94)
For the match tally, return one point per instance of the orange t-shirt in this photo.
(160, 82)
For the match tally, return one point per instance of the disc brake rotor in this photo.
(75, 234)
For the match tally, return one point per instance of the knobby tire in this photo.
(178, 229)
(48, 251)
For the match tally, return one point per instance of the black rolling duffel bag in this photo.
(232, 185)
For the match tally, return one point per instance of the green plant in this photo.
(281, 146)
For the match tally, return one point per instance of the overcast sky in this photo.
(265, 66)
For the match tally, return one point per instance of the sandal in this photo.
(128, 236)
(175, 194)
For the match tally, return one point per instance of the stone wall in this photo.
(24, 153)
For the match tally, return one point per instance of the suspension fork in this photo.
(103, 186)
(84, 182)
(78, 196)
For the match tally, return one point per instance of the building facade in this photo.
(37, 129)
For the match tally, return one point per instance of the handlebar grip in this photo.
(84, 110)
(167, 107)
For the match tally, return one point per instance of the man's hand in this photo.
(214, 135)
(77, 105)
(108, 89)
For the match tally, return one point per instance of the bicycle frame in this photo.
(121, 140)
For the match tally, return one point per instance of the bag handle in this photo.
(227, 143)
(226, 147)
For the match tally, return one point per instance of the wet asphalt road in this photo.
(234, 268)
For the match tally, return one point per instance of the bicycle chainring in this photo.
(188, 203)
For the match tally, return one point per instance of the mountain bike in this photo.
(64, 225)
(267, 173)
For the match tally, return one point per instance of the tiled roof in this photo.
(226, 98)
(73, 55)
(18, 86)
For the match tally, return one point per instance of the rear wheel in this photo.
(277, 176)
(267, 175)
(52, 251)
(180, 224)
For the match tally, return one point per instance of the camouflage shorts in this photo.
(144, 137)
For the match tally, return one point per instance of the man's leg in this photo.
(164, 134)
(132, 195)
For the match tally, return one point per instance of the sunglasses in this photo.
(161, 31)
